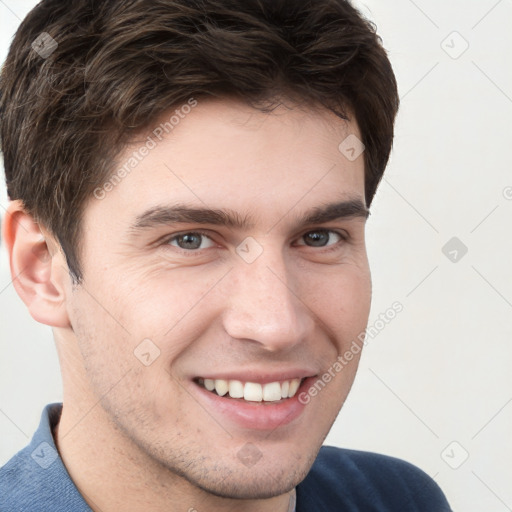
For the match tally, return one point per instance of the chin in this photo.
(252, 484)
(258, 481)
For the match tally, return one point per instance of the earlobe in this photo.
(37, 267)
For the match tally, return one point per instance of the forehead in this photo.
(224, 154)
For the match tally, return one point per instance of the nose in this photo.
(264, 306)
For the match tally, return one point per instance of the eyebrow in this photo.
(351, 208)
(167, 215)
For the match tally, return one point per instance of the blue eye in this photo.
(320, 238)
(191, 241)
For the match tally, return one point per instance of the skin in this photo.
(136, 437)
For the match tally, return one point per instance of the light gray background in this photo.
(435, 384)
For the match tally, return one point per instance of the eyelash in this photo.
(190, 252)
(194, 252)
(329, 248)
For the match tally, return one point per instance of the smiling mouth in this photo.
(277, 391)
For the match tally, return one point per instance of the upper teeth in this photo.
(252, 391)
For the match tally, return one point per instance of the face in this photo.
(231, 257)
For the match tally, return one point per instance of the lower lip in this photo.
(254, 415)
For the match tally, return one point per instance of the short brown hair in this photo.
(109, 68)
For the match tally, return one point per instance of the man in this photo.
(189, 185)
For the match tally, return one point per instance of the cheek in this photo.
(155, 303)
(103, 341)
(129, 324)
(107, 332)
(129, 374)
(357, 299)
(340, 297)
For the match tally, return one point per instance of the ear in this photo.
(38, 268)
